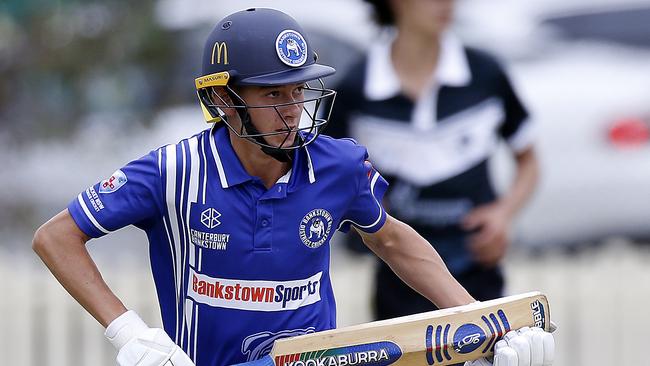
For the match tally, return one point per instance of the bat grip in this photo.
(264, 361)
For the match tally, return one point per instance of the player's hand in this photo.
(523, 347)
(139, 345)
(490, 224)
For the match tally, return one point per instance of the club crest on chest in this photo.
(315, 227)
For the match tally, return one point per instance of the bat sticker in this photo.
(368, 354)
(539, 315)
(467, 338)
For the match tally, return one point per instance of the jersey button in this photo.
(265, 222)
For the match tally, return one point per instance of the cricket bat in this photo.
(439, 338)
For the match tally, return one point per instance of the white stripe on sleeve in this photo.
(90, 216)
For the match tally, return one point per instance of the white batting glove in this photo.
(522, 347)
(139, 345)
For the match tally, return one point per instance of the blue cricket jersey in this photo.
(237, 265)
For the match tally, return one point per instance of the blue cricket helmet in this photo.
(261, 46)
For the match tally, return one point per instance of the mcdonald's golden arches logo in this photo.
(221, 50)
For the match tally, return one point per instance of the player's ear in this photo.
(220, 98)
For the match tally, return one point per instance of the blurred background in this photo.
(86, 86)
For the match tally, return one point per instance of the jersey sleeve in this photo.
(366, 211)
(131, 195)
(517, 128)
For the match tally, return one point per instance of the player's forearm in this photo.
(415, 261)
(524, 183)
(63, 251)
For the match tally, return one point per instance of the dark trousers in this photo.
(394, 298)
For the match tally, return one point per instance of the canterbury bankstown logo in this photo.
(210, 218)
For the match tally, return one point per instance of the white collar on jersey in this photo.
(227, 159)
(382, 82)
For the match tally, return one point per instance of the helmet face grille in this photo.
(316, 109)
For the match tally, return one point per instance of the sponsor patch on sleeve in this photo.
(112, 184)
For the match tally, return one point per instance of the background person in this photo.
(431, 112)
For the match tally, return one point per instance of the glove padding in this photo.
(523, 347)
(139, 345)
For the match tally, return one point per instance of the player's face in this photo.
(427, 16)
(283, 120)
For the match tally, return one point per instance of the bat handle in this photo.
(264, 361)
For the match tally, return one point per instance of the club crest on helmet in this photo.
(291, 48)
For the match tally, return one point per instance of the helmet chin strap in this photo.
(283, 156)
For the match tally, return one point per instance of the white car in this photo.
(584, 73)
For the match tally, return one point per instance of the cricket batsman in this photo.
(230, 214)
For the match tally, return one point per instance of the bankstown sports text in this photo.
(254, 295)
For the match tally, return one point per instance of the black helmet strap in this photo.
(283, 156)
(278, 154)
